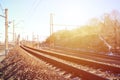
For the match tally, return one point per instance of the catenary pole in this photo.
(6, 31)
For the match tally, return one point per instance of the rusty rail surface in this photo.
(70, 69)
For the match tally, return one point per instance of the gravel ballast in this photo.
(19, 65)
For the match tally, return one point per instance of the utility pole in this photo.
(51, 28)
(33, 39)
(37, 41)
(6, 31)
(13, 31)
(51, 24)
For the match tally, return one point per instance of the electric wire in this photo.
(33, 8)
(1, 8)
(29, 10)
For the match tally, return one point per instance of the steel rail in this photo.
(75, 71)
(81, 61)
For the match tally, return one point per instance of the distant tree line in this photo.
(87, 36)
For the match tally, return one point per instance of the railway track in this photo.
(107, 56)
(66, 60)
(112, 59)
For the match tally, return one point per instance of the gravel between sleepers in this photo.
(19, 65)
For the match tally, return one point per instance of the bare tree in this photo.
(110, 28)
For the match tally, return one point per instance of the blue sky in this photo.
(33, 16)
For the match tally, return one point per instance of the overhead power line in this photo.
(1, 8)
(31, 11)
